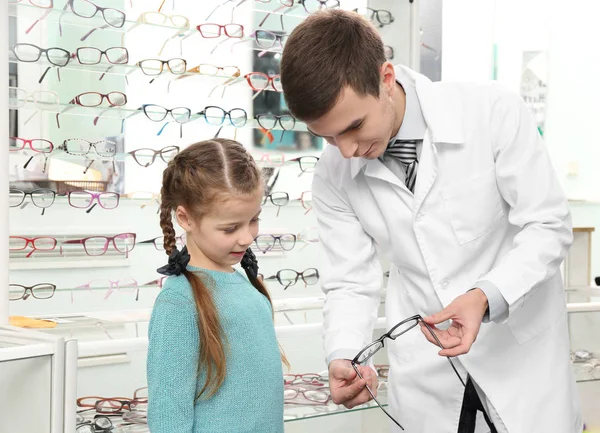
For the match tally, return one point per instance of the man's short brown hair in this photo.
(328, 51)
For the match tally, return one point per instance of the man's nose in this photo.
(347, 147)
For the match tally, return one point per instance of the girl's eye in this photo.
(255, 220)
(230, 230)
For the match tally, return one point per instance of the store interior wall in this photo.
(487, 39)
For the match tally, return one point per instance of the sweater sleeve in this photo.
(172, 365)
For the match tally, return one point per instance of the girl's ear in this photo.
(184, 219)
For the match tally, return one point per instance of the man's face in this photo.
(360, 126)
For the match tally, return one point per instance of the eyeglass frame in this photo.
(40, 53)
(64, 147)
(162, 64)
(225, 115)
(270, 81)
(276, 238)
(321, 7)
(224, 31)
(95, 196)
(167, 111)
(75, 55)
(375, 14)
(32, 242)
(380, 341)
(111, 286)
(30, 143)
(298, 275)
(156, 152)
(153, 241)
(77, 99)
(30, 289)
(277, 119)
(108, 240)
(34, 100)
(30, 193)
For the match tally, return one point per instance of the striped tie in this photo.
(406, 152)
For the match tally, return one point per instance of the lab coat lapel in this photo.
(427, 173)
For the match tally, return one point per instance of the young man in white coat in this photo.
(453, 182)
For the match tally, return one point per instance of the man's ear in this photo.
(184, 219)
(388, 78)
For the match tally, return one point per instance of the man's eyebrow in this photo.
(350, 127)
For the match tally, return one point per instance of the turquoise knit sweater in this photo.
(251, 398)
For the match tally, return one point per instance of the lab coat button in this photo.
(420, 216)
(445, 283)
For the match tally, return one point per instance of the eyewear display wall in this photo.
(87, 34)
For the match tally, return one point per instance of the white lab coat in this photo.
(487, 206)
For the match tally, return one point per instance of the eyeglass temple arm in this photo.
(439, 343)
(30, 28)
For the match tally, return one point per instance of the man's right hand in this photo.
(347, 387)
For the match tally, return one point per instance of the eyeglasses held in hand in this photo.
(32, 53)
(41, 243)
(93, 55)
(85, 199)
(159, 242)
(81, 147)
(216, 116)
(289, 277)
(267, 242)
(210, 30)
(370, 350)
(146, 157)
(42, 99)
(98, 245)
(382, 16)
(36, 144)
(41, 197)
(106, 287)
(278, 199)
(259, 81)
(17, 292)
(154, 67)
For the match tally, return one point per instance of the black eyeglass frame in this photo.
(380, 342)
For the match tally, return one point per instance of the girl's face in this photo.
(219, 239)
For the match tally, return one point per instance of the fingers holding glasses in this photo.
(344, 383)
(371, 383)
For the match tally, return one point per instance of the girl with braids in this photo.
(214, 364)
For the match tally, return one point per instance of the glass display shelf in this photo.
(291, 413)
(301, 412)
(145, 157)
(27, 11)
(128, 70)
(588, 371)
(124, 114)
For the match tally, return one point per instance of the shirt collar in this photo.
(413, 125)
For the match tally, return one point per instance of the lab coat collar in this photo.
(442, 110)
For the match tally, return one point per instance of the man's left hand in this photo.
(466, 313)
